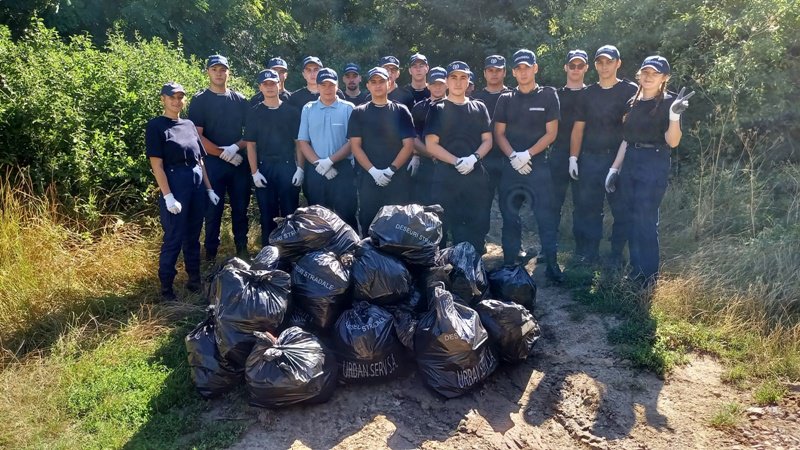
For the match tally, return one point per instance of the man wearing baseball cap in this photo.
(525, 124)
(458, 134)
(275, 161)
(352, 84)
(382, 140)
(418, 68)
(279, 65)
(310, 92)
(596, 136)
(322, 138)
(219, 114)
(396, 93)
(421, 164)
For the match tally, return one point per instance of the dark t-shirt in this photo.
(174, 141)
(526, 115)
(570, 102)
(459, 127)
(381, 129)
(420, 115)
(417, 95)
(602, 110)
(402, 96)
(273, 130)
(259, 97)
(646, 123)
(221, 116)
(359, 99)
(300, 97)
(489, 99)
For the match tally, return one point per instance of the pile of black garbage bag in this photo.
(320, 307)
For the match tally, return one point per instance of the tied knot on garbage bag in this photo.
(411, 232)
(312, 228)
(513, 284)
(467, 279)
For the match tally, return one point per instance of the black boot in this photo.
(553, 271)
(167, 294)
(194, 284)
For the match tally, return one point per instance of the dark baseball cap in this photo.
(351, 67)
(579, 54)
(277, 62)
(458, 66)
(471, 78)
(171, 88)
(390, 60)
(268, 75)
(657, 63)
(312, 59)
(494, 61)
(379, 71)
(437, 74)
(608, 51)
(327, 74)
(417, 57)
(214, 60)
(523, 56)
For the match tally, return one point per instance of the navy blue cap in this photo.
(268, 75)
(277, 62)
(171, 88)
(494, 61)
(458, 66)
(658, 63)
(380, 71)
(471, 78)
(437, 74)
(579, 54)
(390, 60)
(351, 67)
(523, 56)
(312, 59)
(417, 57)
(214, 60)
(327, 74)
(608, 51)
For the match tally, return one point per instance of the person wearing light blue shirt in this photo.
(330, 179)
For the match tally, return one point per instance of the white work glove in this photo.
(388, 172)
(413, 165)
(173, 205)
(228, 151)
(679, 105)
(520, 159)
(236, 160)
(380, 177)
(297, 178)
(611, 180)
(466, 164)
(259, 180)
(526, 169)
(331, 174)
(213, 196)
(323, 165)
(573, 167)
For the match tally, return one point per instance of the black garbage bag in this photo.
(405, 324)
(452, 347)
(410, 232)
(425, 282)
(267, 259)
(345, 238)
(293, 368)
(211, 285)
(248, 301)
(367, 347)
(312, 228)
(513, 284)
(320, 287)
(511, 327)
(468, 281)
(379, 278)
(211, 374)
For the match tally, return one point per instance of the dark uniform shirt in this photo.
(647, 121)
(420, 114)
(602, 110)
(274, 131)
(526, 115)
(221, 116)
(417, 95)
(459, 127)
(259, 97)
(300, 97)
(489, 98)
(174, 141)
(381, 129)
(570, 102)
(359, 99)
(402, 96)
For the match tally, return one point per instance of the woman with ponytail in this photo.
(651, 128)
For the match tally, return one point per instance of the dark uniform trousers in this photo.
(466, 201)
(421, 182)
(592, 170)
(182, 230)
(338, 194)
(536, 188)
(236, 183)
(372, 197)
(280, 198)
(558, 158)
(493, 162)
(644, 181)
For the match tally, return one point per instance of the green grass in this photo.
(728, 416)
(770, 392)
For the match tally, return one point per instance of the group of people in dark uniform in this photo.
(433, 141)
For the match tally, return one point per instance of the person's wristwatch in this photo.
(477, 156)
(394, 169)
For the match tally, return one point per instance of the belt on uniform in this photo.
(647, 145)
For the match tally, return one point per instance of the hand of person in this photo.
(466, 164)
(236, 160)
(331, 174)
(413, 165)
(679, 105)
(297, 178)
(519, 159)
(213, 196)
(173, 205)
(259, 180)
(611, 180)
(381, 179)
(228, 151)
(526, 169)
(389, 173)
(323, 165)
(573, 167)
